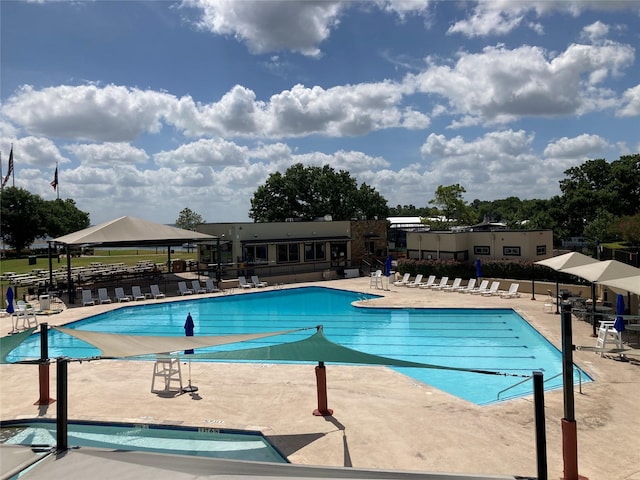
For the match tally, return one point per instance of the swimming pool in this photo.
(488, 339)
(194, 441)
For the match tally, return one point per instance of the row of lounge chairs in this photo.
(254, 283)
(196, 287)
(456, 286)
(137, 294)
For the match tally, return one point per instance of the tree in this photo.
(188, 219)
(311, 192)
(452, 206)
(26, 217)
(22, 217)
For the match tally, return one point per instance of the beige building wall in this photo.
(467, 246)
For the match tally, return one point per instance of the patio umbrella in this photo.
(188, 331)
(619, 323)
(10, 308)
(478, 268)
(387, 268)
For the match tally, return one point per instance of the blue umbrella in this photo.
(619, 323)
(188, 331)
(10, 309)
(388, 266)
(478, 268)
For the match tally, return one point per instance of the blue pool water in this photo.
(498, 340)
(201, 442)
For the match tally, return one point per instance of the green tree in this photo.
(188, 219)
(22, 218)
(63, 216)
(629, 228)
(452, 206)
(312, 192)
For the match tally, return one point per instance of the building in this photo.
(306, 250)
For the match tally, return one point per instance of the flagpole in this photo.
(57, 183)
(13, 171)
(1, 177)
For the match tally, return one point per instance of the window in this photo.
(541, 250)
(288, 252)
(256, 254)
(314, 251)
(511, 251)
(369, 246)
(481, 250)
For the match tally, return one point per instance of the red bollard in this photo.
(43, 377)
(321, 384)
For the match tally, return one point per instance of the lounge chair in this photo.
(376, 279)
(442, 284)
(257, 283)
(183, 290)
(137, 294)
(120, 296)
(471, 284)
(431, 281)
(210, 286)
(197, 288)
(484, 286)
(87, 299)
(155, 292)
(103, 297)
(416, 282)
(404, 281)
(512, 292)
(550, 303)
(242, 282)
(492, 290)
(454, 286)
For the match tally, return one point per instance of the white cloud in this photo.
(109, 153)
(37, 152)
(595, 32)
(631, 103)
(270, 26)
(204, 152)
(580, 147)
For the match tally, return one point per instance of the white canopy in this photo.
(602, 271)
(630, 284)
(130, 231)
(113, 345)
(568, 260)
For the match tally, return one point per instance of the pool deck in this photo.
(381, 419)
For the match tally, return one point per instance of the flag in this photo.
(10, 171)
(54, 184)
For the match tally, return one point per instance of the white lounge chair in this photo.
(454, 286)
(183, 290)
(242, 282)
(137, 294)
(431, 281)
(492, 290)
(120, 295)
(404, 281)
(103, 297)
(210, 286)
(197, 288)
(549, 303)
(484, 286)
(87, 299)
(257, 283)
(442, 284)
(512, 292)
(155, 292)
(471, 284)
(416, 282)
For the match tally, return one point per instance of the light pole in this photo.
(218, 258)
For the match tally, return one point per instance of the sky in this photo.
(150, 107)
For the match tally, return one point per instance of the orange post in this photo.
(43, 377)
(321, 384)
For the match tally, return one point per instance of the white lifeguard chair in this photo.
(608, 334)
(168, 371)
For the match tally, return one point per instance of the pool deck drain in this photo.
(381, 420)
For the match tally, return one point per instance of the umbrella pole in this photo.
(190, 388)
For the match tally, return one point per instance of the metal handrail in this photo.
(546, 380)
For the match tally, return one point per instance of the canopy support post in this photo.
(321, 385)
(43, 367)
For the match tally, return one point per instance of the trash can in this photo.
(32, 259)
(45, 302)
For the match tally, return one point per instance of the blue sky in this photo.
(150, 107)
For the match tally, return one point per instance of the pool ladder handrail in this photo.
(546, 380)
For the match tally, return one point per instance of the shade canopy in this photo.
(602, 271)
(8, 343)
(130, 231)
(113, 345)
(568, 260)
(629, 284)
(318, 348)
